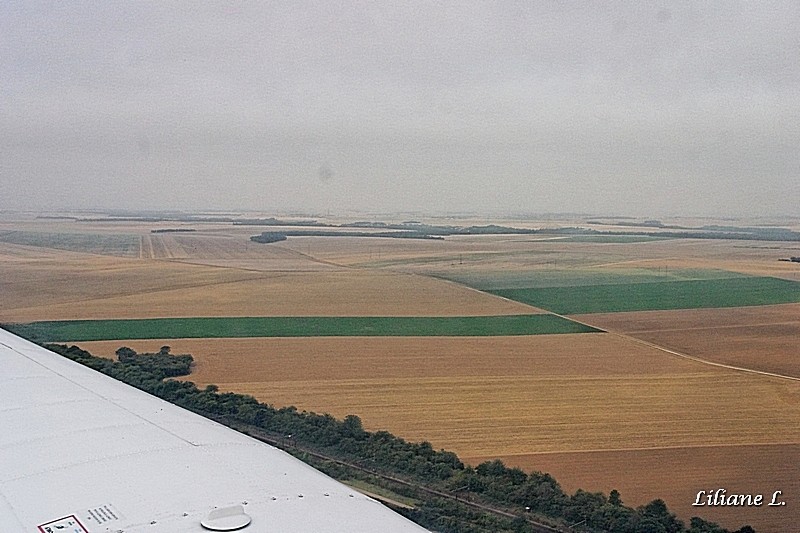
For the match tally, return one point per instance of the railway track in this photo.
(281, 443)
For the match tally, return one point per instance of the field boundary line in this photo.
(634, 261)
(700, 328)
(309, 257)
(514, 301)
(705, 361)
(687, 356)
(198, 262)
(652, 448)
(666, 350)
(484, 293)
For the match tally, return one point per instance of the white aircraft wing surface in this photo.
(83, 453)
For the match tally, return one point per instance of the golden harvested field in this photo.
(34, 280)
(507, 415)
(454, 253)
(541, 402)
(677, 475)
(448, 391)
(108, 288)
(275, 360)
(761, 338)
(469, 254)
(230, 250)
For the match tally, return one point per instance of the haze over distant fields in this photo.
(638, 108)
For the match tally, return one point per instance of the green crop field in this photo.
(607, 298)
(180, 328)
(530, 279)
(118, 245)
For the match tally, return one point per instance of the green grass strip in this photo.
(731, 292)
(179, 328)
(540, 278)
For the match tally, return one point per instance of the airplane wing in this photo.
(83, 453)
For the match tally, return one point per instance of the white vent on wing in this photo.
(226, 519)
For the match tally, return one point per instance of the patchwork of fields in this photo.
(41, 285)
(540, 402)
(470, 363)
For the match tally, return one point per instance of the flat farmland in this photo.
(232, 250)
(33, 281)
(630, 416)
(454, 254)
(685, 319)
(305, 326)
(549, 278)
(483, 256)
(96, 243)
(677, 475)
(618, 297)
(509, 415)
(762, 338)
(275, 360)
(148, 289)
(599, 411)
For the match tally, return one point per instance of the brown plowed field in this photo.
(761, 338)
(677, 475)
(772, 348)
(683, 319)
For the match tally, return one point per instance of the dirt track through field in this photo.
(760, 339)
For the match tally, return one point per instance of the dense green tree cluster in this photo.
(527, 495)
(540, 493)
(268, 237)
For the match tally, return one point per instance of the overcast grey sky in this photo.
(638, 108)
